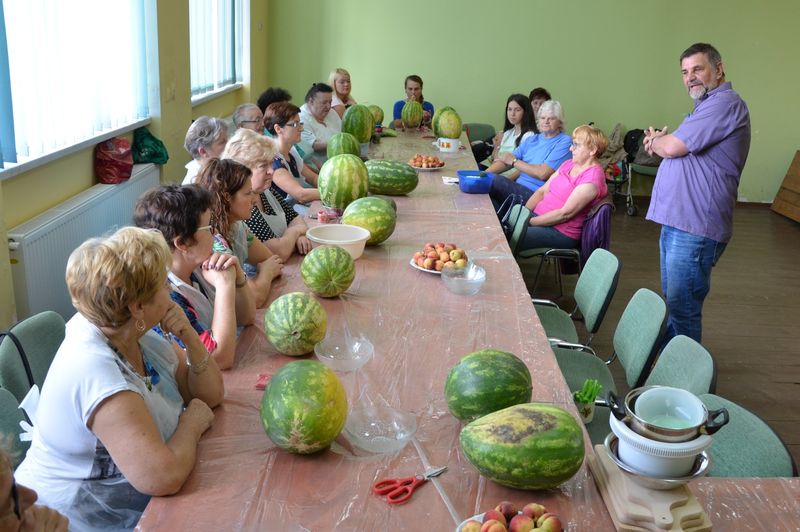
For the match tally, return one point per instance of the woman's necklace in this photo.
(151, 376)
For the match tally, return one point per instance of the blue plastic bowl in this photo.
(474, 181)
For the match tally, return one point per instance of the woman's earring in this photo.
(140, 325)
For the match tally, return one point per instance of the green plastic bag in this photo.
(147, 148)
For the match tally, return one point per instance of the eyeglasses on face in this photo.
(204, 228)
(294, 124)
(250, 122)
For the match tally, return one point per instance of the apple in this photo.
(444, 257)
(420, 262)
(449, 264)
(493, 525)
(508, 509)
(549, 523)
(417, 255)
(471, 526)
(456, 254)
(534, 510)
(521, 523)
(497, 516)
(438, 265)
(461, 263)
(432, 255)
(428, 263)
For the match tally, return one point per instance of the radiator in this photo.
(40, 247)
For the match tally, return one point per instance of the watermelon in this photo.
(389, 132)
(304, 407)
(411, 114)
(390, 200)
(486, 381)
(377, 113)
(328, 270)
(358, 121)
(530, 446)
(343, 143)
(393, 178)
(374, 214)
(446, 123)
(342, 179)
(295, 322)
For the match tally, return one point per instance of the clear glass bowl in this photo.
(379, 429)
(344, 353)
(465, 281)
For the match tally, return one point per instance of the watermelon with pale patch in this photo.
(343, 143)
(533, 446)
(446, 123)
(295, 322)
(358, 121)
(411, 115)
(393, 178)
(304, 407)
(328, 270)
(374, 214)
(342, 180)
(377, 113)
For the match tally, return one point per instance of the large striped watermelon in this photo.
(358, 121)
(304, 407)
(530, 446)
(342, 179)
(411, 114)
(377, 113)
(374, 214)
(446, 123)
(295, 322)
(328, 270)
(343, 143)
(393, 178)
(486, 381)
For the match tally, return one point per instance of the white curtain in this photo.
(215, 44)
(77, 69)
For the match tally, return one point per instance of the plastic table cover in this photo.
(242, 481)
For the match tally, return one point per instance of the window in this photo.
(215, 44)
(69, 71)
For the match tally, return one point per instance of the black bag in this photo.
(147, 148)
(634, 139)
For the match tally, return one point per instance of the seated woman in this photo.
(17, 511)
(537, 97)
(295, 181)
(278, 95)
(248, 116)
(519, 125)
(122, 408)
(536, 158)
(231, 203)
(204, 140)
(342, 99)
(413, 87)
(319, 120)
(272, 220)
(211, 288)
(560, 206)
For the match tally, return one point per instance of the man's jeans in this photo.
(686, 262)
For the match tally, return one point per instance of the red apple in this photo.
(428, 263)
(497, 516)
(521, 523)
(549, 523)
(432, 255)
(534, 510)
(493, 525)
(471, 526)
(508, 509)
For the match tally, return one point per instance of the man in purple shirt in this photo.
(695, 189)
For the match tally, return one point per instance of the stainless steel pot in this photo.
(625, 411)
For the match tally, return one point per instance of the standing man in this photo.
(696, 186)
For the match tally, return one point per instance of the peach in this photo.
(432, 255)
(444, 257)
(438, 265)
(440, 245)
(428, 263)
(417, 255)
(508, 509)
(471, 526)
(449, 247)
(449, 264)
(534, 510)
(497, 516)
(549, 523)
(521, 523)
(493, 525)
(420, 262)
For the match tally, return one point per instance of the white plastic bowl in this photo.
(350, 237)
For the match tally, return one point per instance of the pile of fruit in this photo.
(438, 256)
(506, 518)
(425, 161)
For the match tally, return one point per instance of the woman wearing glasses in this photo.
(211, 288)
(296, 182)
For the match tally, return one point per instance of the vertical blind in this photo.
(76, 69)
(215, 44)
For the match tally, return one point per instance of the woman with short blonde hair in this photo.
(118, 391)
(342, 99)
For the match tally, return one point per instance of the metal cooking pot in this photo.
(666, 414)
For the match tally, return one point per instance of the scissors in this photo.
(399, 490)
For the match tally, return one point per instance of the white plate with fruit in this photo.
(506, 518)
(425, 163)
(434, 257)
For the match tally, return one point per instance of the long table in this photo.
(242, 481)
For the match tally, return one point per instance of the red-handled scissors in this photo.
(399, 490)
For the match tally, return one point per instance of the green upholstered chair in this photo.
(636, 341)
(684, 363)
(10, 416)
(518, 220)
(746, 446)
(477, 131)
(40, 337)
(593, 293)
